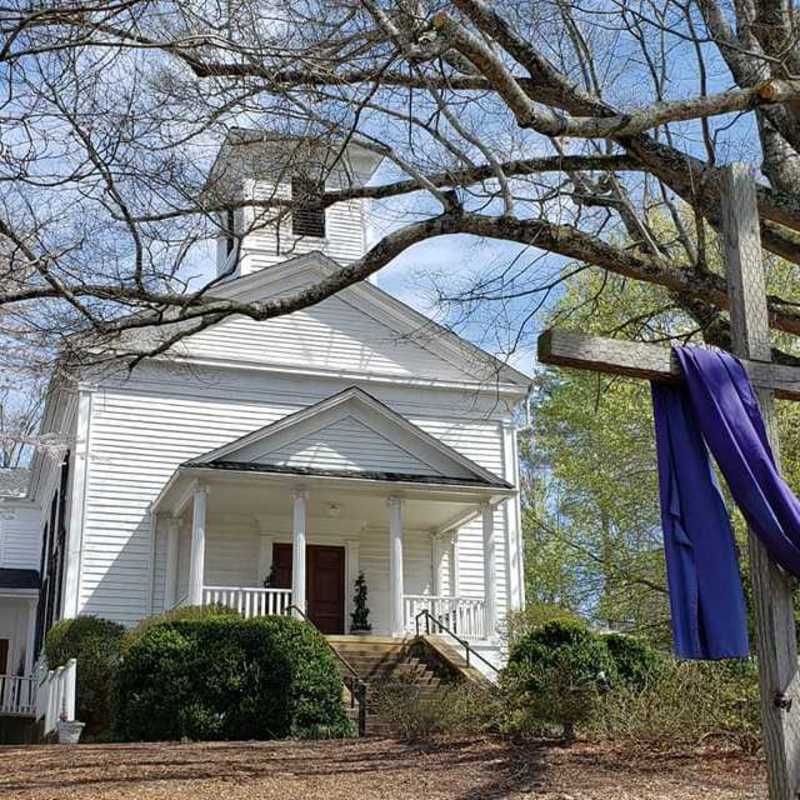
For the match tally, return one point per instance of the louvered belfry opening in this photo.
(308, 216)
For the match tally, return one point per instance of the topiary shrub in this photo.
(555, 675)
(637, 664)
(218, 676)
(95, 643)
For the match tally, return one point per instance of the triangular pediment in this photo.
(361, 330)
(351, 432)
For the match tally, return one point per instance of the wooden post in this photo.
(772, 587)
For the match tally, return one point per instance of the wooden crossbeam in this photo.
(649, 361)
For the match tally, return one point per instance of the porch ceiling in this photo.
(354, 500)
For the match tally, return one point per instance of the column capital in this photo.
(300, 494)
(200, 488)
(395, 501)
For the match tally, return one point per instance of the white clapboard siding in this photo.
(350, 445)
(140, 432)
(269, 244)
(20, 536)
(334, 335)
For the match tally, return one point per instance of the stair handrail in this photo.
(470, 650)
(357, 687)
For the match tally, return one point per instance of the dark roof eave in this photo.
(19, 579)
(388, 477)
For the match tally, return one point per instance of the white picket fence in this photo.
(464, 616)
(17, 695)
(248, 601)
(55, 695)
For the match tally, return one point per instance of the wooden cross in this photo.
(772, 588)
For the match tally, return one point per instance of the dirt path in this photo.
(464, 769)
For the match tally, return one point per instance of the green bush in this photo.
(556, 674)
(689, 703)
(533, 616)
(180, 613)
(219, 676)
(637, 664)
(95, 643)
(462, 708)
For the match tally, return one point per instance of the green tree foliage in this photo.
(95, 643)
(591, 512)
(213, 677)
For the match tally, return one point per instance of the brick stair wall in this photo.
(383, 663)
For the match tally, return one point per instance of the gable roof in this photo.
(369, 299)
(350, 434)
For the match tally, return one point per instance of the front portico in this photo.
(290, 514)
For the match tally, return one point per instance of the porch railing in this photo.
(55, 695)
(250, 602)
(17, 695)
(466, 616)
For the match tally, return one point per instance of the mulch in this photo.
(375, 769)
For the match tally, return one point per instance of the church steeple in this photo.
(283, 176)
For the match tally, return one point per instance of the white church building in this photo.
(266, 464)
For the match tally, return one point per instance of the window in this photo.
(230, 231)
(308, 216)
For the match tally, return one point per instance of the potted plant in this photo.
(69, 731)
(359, 616)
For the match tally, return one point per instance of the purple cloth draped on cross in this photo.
(716, 406)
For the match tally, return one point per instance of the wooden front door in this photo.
(325, 588)
(325, 598)
(4, 648)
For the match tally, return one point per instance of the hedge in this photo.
(95, 643)
(218, 677)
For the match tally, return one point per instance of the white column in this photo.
(513, 521)
(198, 557)
(171, 582)
(395, 505)
(29, 654)
(299, 519)
(489, 571)
(436, 564)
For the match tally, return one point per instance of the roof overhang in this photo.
(460, 502)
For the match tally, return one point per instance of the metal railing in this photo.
(355, 685)
(469, 649)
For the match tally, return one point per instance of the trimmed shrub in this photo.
(637, 664)
(95, 643)
(533, 616)
(180, 613)
(555, 675)
(219, 676)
